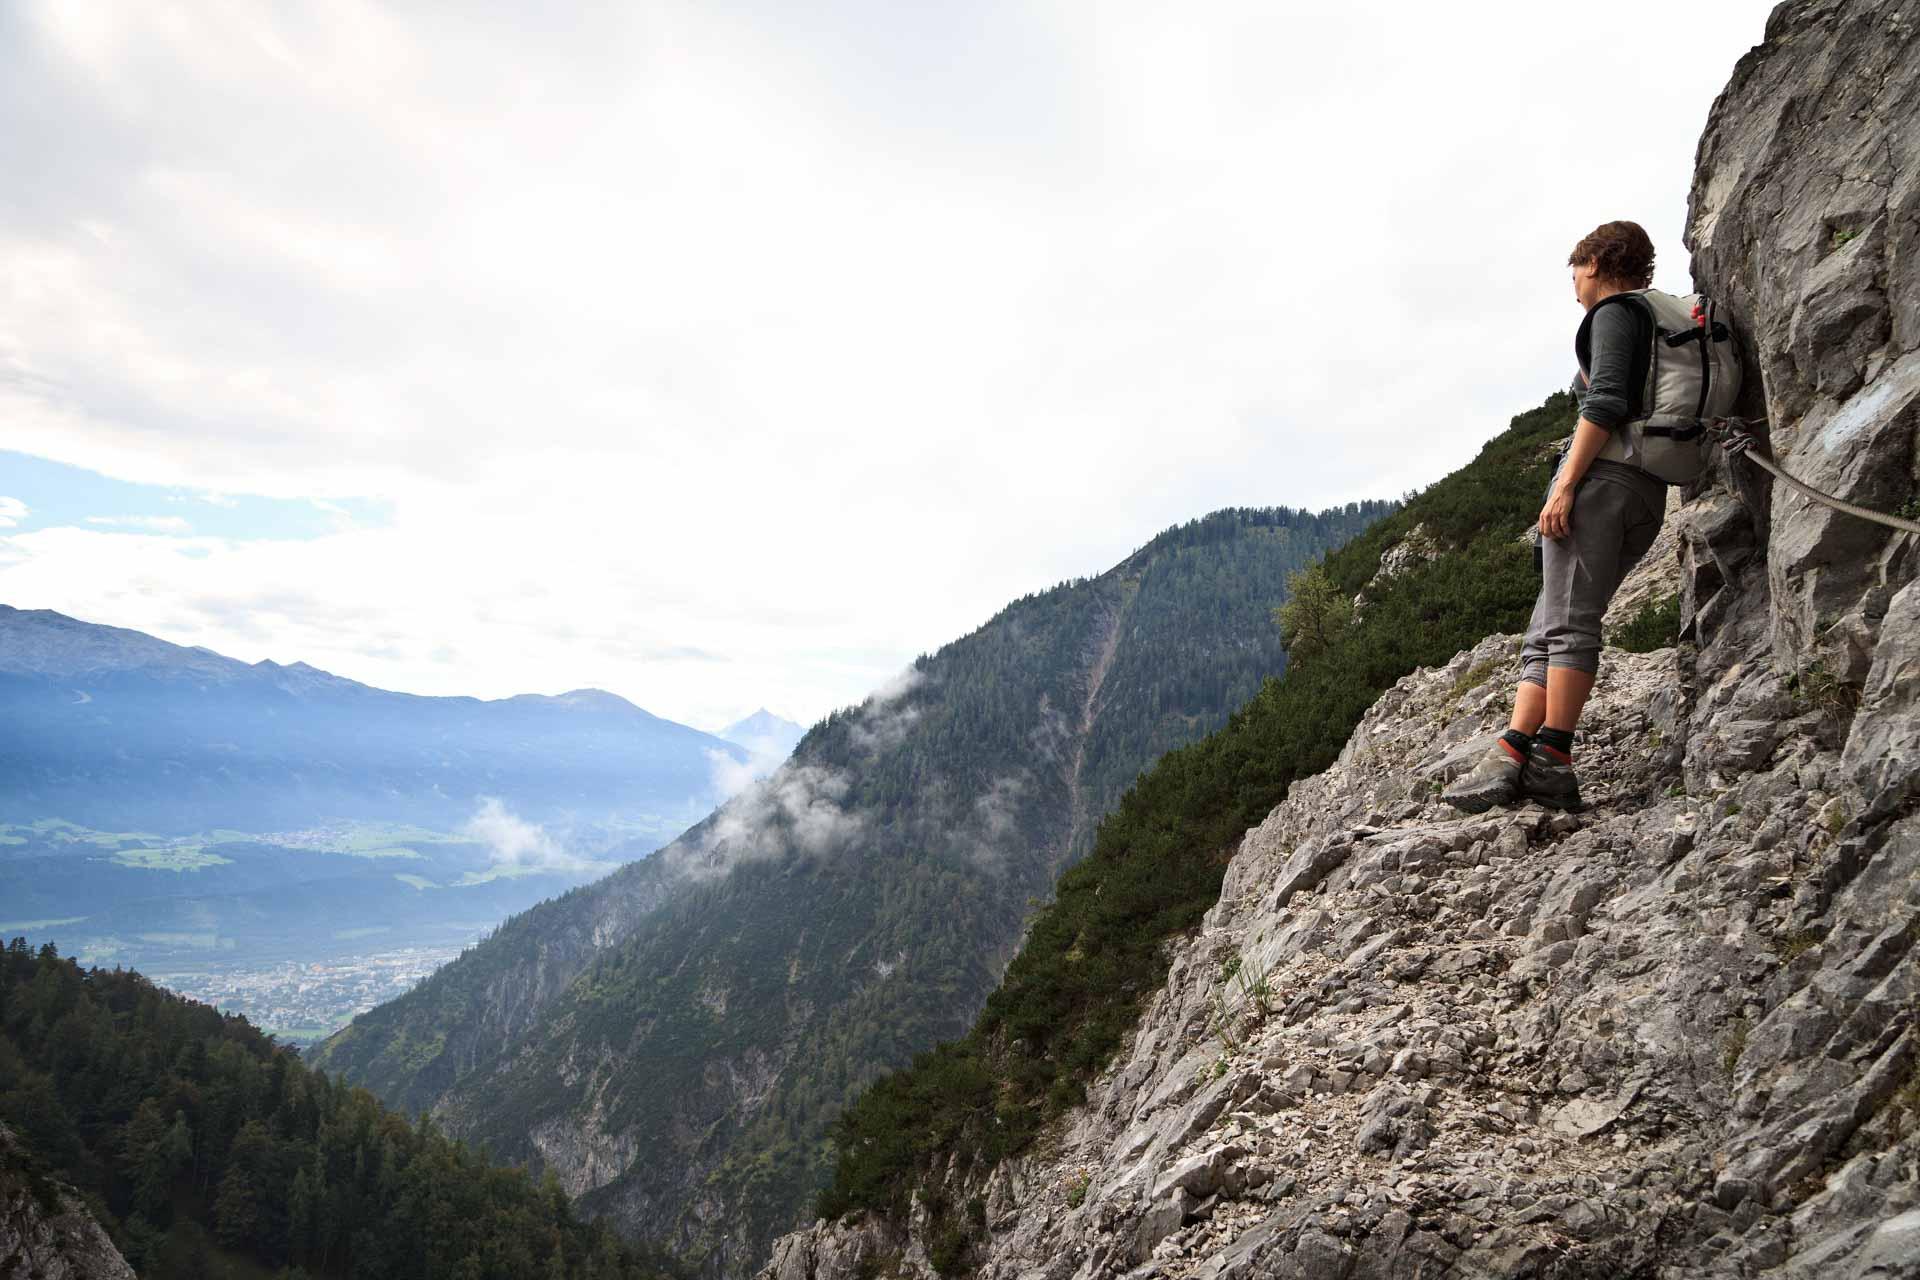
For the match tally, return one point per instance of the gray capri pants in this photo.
(1617, 512)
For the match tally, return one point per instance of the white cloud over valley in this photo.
(515, 845)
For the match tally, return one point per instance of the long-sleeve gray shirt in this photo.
(1612, 347)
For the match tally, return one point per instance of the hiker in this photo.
(1602, 511)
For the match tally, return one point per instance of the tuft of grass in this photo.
(1077, 1190)
(1734, 1045)
(1818, 688)
(1473, 677)
(1794, 945)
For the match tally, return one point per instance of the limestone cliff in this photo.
(1674, 1035)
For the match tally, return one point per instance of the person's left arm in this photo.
(1605, 409)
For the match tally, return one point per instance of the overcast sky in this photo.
(721, 354)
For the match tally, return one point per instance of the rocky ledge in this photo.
(1407, 1042)
(46, 1231)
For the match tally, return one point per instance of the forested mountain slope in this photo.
(206, 1151)
(1675, 1034)
(672, 1041)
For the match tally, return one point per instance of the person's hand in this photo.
(1556, 518)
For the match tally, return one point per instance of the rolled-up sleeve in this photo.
(1609, 401)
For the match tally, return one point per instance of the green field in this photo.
(207, 941)
(59, 829)
(169, 857)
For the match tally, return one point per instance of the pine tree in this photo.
(1315, 613)
(300, 1217)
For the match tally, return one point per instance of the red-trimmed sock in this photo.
(1517, 744)
(1558, 741)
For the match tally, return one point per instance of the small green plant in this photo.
(1796, 944)
(1077, 1190)
(1733, 807)
(1219, 1066)
(1222, 1022)
(1675, 791)
(1260, 994)
(1819, 689)
(1656, 626)
(1842, 237)
(948, 1250)
(1734, 1045)
(1910, 509)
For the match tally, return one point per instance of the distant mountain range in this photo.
(672, 1041)
(119, 731)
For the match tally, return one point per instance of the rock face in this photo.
(46, 1232)
(1675, 1035)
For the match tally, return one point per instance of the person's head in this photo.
(1614, 257)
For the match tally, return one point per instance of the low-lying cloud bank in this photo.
(516, 846)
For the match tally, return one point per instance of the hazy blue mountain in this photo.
(294, 845)
(769, 737)
(119, 731)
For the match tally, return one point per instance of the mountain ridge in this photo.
(120, 730)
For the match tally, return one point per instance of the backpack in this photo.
(1691, 376)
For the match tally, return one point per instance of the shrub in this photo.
(1656, 626)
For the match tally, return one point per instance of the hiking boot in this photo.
(1549, 779)
(1495, 780)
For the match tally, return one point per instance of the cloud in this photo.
(798, 809)
(765, 753)
(886, 717)
(897, 686)
(730, 776)
(517, 846)
(12, 512)
(992, 823)
(144, 524)
(810, 335)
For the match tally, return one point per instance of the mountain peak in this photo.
(765, 734)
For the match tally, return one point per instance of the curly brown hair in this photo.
(1620, 251)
